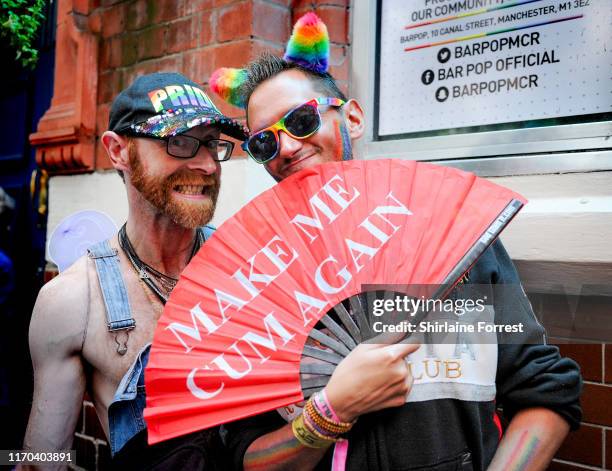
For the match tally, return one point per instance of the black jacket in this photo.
(450, 433)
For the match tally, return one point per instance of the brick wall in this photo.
(591, 446)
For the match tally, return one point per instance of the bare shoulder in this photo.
(59, 318)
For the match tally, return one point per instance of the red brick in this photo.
(260, 46)
(596, 400)
(340, 72)
(109, 85)
(104, 55)
(129, 49)
(235, 22)
(556, 466)
(300, 9)
(222, 3)
(336, 19)
(92, 423)
(102, 118)
(583, 446)
(85, 452)
(588, 356)
(151, 42)
(113, 20)
(608, 449)
(163, 64)
(51, 271)
(139, 15)
(165, 10)
(195, 6)
(110, 54)
(82, 7)
(608, 364)
(94, 22)
(301, 6)
(271, 22)
(104, 457)
(182, 35)
(234, 54)
(199, 65)
(338, 3)
(208, 27)
(339, 62)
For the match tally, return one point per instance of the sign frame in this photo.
(578, 147)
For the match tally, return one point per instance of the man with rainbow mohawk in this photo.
(367, 417)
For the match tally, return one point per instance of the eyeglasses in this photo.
(301, 122)
(182, 146)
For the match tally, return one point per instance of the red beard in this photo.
(159, 192)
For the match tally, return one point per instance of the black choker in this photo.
(165, 284)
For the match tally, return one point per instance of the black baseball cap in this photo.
(167, 104)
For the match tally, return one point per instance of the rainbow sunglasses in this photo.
(300, 122)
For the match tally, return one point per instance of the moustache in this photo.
(188, 179)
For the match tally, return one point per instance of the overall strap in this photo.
(118, 312)
(207, 231)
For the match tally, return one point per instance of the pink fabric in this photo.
(341, 447)
(340, 454)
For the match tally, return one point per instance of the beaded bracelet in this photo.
(317, 431)
(330, 426)
(311, 425)
(324, 408)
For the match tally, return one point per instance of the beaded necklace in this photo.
(158, 282)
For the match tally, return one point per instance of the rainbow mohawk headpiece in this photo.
(226, 82)
(309, 44)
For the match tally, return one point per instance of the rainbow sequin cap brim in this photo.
(174, 122)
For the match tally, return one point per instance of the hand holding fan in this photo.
(231, 338)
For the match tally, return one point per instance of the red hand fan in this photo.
(233, 332)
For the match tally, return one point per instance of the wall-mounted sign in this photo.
(462, 64)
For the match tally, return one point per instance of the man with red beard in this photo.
(92, 325)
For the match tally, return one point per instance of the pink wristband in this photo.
(324, 406)
(341, 448)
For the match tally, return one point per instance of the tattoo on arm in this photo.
(523, 452)
(274, 454)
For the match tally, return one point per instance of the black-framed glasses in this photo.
(182, 146)
(300, 122)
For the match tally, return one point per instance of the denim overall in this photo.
(125, 414)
